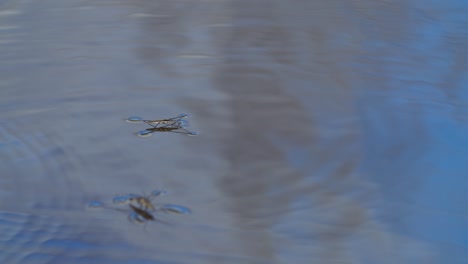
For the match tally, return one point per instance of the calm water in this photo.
(329, 131)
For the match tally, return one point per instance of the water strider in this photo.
(173, 124)
(173, 121)
(144, 201)
(141, 207)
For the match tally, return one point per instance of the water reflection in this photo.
(333, 131)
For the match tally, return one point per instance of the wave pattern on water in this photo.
(333, 131)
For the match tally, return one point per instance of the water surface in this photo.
(329, 131)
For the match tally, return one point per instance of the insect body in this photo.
(141, 208)
(143, 202)
(174, 125)
(168, 122)
(142, 213)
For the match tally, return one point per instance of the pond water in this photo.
(327, 131)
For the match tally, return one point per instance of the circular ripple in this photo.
(191, 133)
(174, 208)
(183, 123)
(158, 193)
(95, 204)
(123, 199)
(134, 119)
(144, 133)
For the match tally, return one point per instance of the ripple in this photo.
(144, 133)
(191, 133)
(134, 119)
(38, 161)
(183, 123)
(183, 115)
(95, 204)
(9, 12)
(27, 236)
(174, 208)
(124, 199)
(158, 193)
